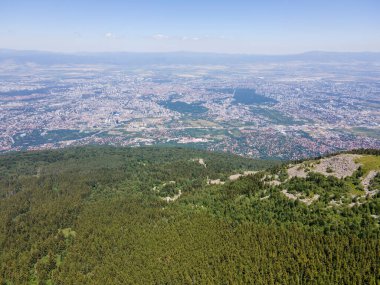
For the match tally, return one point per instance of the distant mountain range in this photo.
(123, 58)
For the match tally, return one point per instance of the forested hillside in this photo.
(103, 215)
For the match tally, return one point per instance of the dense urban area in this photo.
(286, 110)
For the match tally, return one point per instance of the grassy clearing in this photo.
(374, 133)
(369, 162)
(68, 232)
(202, 124)
(356, 192)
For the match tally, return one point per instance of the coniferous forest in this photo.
(104, 215)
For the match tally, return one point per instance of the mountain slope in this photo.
(102, 215)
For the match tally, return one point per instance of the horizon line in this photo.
(188, 52)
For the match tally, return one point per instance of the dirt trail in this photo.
(238, 175)
(172, 199)
(297, 171)
(215, 182)
(366, 182)
(307, 201)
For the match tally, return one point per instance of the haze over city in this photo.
(255, 27)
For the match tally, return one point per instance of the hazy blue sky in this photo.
(235, 26)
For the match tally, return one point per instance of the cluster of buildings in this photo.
(311, 112)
